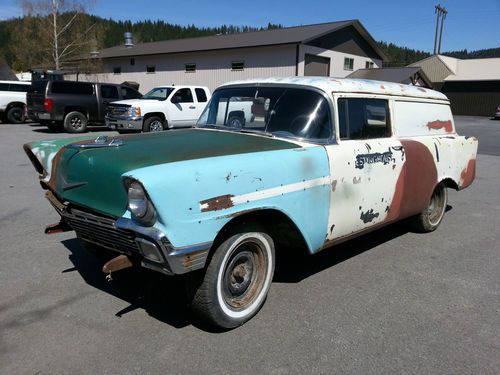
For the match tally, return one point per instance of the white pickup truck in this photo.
(162, 108)
(13, 101)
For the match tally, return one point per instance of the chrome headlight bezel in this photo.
(138, 202)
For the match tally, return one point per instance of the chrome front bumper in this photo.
(126, 237)
(124, 123)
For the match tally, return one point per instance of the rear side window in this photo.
(109, 92)
(363, 118)
(18, 88)
(37, 87)
(74, 88)
(128, 93)
(201, 95)
(4, 87)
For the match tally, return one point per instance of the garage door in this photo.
(316, 66)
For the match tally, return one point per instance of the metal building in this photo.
(327, 49)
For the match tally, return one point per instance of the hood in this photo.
(92, 177)
(130, 102)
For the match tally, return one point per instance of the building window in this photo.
(150, 68)
(369, 65)
(348, 63)
(237, 65)
(132, 61)
(190, 68)
(117, 70)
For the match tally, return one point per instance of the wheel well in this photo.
(157, 114)
(450, 183)
(275, 223)
(78, 109)
(14, 104)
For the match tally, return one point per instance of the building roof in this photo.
(444, 68)
(289, 35)
(476, 70)
(349, 85)
(398, 75)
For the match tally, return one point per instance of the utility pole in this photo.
(444, 12)
(441, 13)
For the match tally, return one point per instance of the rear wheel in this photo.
(75, 122)
(430, 218)
(236, 281)
(153, 124)
(15, 115)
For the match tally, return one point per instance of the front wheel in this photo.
(430, 218)
(153, 124)
(236, 281)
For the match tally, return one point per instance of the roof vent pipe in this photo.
(128, 39)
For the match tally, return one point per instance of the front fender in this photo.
(195, 199)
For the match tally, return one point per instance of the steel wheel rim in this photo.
(76, 122)
(235, 123)
(155, 126)
(244, 275)
(436, 207)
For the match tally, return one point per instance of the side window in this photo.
(4, 87)
(363, 118)
(68, 87)
(128, 93)
(18, 88)
(184, 95)
(201, 95)
(109, 92)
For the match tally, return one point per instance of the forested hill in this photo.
(110, 33)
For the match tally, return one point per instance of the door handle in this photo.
(192, 107)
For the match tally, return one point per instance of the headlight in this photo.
(134, 111)
(138, 203)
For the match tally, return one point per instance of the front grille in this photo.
(117, 111)
(101, 231)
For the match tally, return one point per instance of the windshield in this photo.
(276, 111)
(159, 93)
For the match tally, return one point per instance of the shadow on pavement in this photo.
(164, 297)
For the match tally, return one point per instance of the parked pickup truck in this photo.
(71, 106)
(162, 108)
(324, 161)
(13, 101)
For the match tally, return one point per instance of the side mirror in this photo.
(175, 99)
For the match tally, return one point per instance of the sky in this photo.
(470, 24)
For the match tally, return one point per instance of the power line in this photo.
(441, 14)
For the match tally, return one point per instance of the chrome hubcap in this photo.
(76, 122)
(156, 126)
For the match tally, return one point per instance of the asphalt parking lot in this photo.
(392, 301)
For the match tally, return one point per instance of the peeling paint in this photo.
(368, 216)
(217, 203)
(438, 124)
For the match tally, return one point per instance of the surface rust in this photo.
(217, 203)
(116, 264)
(468, 174)
(438, 124)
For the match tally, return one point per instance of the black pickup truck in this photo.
(71, 106)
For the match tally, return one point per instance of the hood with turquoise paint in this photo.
(92, 177)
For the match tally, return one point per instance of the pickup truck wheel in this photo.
(153, 124)
(236, 281)
(235, 122)
(430, 218)
(75, 122)
(15, 115)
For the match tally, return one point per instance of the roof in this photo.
(398, 75)
(289, 35)
(349, 85)
(460, 69)
(476, 70)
